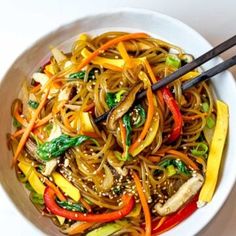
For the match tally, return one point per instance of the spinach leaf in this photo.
(71, 206)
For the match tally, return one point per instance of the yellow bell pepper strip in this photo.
(102, 60)
(49, 199)
(33, 178)
(215, 153)
(35, 182)
(189, 75)
(66, 186)
(136, 211)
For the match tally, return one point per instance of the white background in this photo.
(23, 22)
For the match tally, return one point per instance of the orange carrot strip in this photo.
(154, 158)
(162, 220)
(81, 228)
(29, 128)
(37, 125)
(122, 133)
(154, 80)
(146, 211)
(35, 88)
(184, 158)
(109, 44)
(147, 122)
(52, 186)
(86, 205)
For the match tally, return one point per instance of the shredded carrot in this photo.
(147, 215)
(86, 205)
(29, 128)
(154, 80)
(162, 220)
(52, 186)
(37, 125)
(35, 88)
(108, 45)
(122, 133)
(81, 228)
(148, 121)
(184, 158)
(154, 158)
(194, 117)
(17, 116)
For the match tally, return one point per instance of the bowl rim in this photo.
(100, 13)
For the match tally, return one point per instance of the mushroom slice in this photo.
(184, 194)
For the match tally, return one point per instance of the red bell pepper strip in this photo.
(176, 218)
(174, 108)
(49, 199)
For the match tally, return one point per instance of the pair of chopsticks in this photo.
(190, 66)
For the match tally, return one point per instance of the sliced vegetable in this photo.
(71, 206)
(174, 108)
(108, 229)
(148, 122)
(128, 128)
(175, 219)
(33, 178)
(124, 105)
(210, 122)
(151, 134)
(205, 107)
(33, 104)
(49, 199)
(16, 123)
(144, 203)
(136, 211)
(170, 170)
(29, 128)
(173, 60)
(66, 186)
(139, 116)
(113, 98)
(58, 146)
(86, 127)
(200, 149)
(109, 44)
(37, 198)
(215, 153)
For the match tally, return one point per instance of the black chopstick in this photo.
(190, 66)
(210, 73)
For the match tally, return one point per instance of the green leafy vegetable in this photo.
(33, 104)
(139, 116)
(200, 149)
(58, 146)
(113, 98)
(16, 124)
(127, 123)
(81, 74)
(29, 187)
(173, 60)
(37, 198)
(71, 206)
(110, 100)
(210, 122)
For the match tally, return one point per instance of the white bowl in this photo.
(130, 20)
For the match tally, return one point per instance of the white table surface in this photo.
(23, 22)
